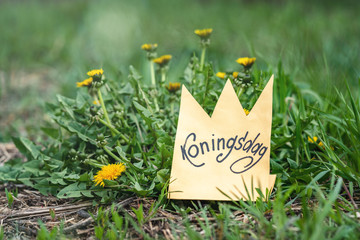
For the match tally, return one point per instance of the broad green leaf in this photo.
(67, 103)
(51, 132)
(81, 100)
(24, 144)
(163, 175)
(128, 89)
(81, 131)
(142, 110)
(72, 190)
(25, 178)
(120, 152)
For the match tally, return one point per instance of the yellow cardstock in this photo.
(225, 156)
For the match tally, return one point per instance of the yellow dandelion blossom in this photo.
(203, 33)
(95, 72)
(149, 47)
(173, 87)
(315, 141)
(246, 62)
(163, 60)
(312, 140)
(86, 82)
(235, 74)
(96, 102)
(246, 111)
(221, 75)
(109, 172)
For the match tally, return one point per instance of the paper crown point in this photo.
(225, 156)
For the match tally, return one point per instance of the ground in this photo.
(79, 218)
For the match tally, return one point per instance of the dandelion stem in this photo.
(104, 110)
(156, 104)
(163, 75)
(153, 83)
(121, 159)
(146, 100)
(109, 126)
(114, 130)
(114, 156)
(202, 59)
(206, 86)
(152, 73)
(103, 106)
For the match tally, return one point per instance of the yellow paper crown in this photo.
(225, 155)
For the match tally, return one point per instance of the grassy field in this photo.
(312, 47)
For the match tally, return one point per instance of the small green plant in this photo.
(55, 233)
(120, 225)
(139, 214)
(1, 233)
(9, 197)
(111, 225)
(52, 214)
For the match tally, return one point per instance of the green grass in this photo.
(312, 49)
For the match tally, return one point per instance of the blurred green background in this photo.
(47, 46)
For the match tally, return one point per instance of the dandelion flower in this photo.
(312, 140)
(246, 111)
(173, 87)
(235, 74)
(86, 82)
(149, 47)
(203, 33)
(109, 172)
(246, 62)
(163, 60)
(315, 141)
(95, 72)
(96, 102)
(221, 75)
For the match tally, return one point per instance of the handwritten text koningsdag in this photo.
(191, 149)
